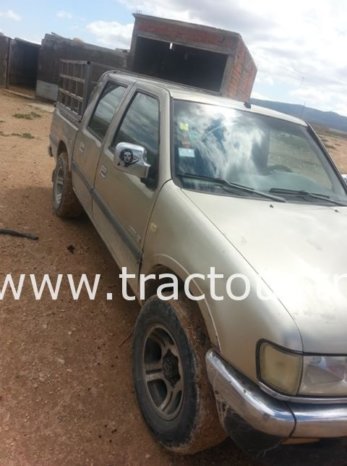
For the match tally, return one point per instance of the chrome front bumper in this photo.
(268, 415)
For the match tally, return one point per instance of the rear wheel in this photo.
(65, 202)
(170, 377)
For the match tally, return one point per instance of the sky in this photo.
(299, 46)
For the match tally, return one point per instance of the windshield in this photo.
(217, 149)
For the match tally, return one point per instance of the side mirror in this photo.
(131, 159)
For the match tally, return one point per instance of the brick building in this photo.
(200, 56)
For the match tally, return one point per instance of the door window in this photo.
(140, 126)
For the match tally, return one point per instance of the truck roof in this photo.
(183, 92)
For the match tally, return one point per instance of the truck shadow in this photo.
(329, 452)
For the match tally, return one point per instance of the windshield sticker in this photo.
(183, 126)
(185, 152)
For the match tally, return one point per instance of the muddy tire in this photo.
(173, 392)
(65, 202)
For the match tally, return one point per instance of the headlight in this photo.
(295, 374)
(280, 369)
(324, 376)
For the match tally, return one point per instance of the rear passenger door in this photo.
(123, 202)
(90, 138)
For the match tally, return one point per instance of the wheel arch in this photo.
(167, 265)
(63, 148)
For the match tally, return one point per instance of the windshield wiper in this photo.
(303, 193)
(227, 185)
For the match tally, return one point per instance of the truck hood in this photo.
(300, 251)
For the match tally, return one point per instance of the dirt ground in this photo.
(66, 393)
(336, 144)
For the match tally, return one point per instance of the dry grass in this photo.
(27, 116)
(24, 135)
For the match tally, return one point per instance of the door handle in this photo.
(82, 147)
(103, 171)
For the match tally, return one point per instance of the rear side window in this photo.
(105, 109)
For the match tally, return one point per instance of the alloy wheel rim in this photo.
(162, 372)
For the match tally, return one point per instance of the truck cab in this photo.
(212, 200)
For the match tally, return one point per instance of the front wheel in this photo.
(170, 377)
(65, 202)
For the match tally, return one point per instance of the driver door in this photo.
(123, 202)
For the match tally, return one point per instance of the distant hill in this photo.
(317, 117)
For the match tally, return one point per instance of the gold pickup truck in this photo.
(236, 216)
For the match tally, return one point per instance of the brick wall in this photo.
(240, 77)
(188, 34)
(54, 48)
